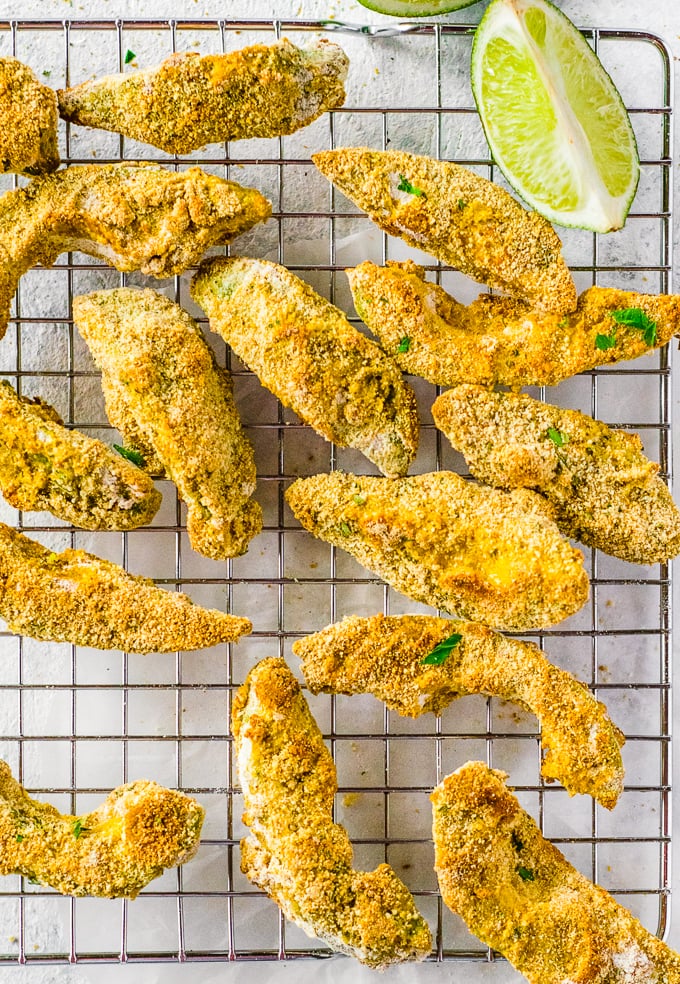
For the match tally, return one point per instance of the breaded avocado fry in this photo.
(44, 465)
(495, 557)
(140, 829)
(294, 851)
(461, 218)
(162, 374)
(28, 121)
(500, 340)
(521, 896)
(190, 99)
(603, 489)
(306, 352)
(134, 216)
(418, 664)
(76, 597)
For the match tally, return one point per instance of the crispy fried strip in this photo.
(140, 829)
(134, 216)
(495, 557)
(44, 465)
(28, 121)
(306, 352)
(519, 895)
(190, 99)
(76, 597)
(384, 656)
(295, 852)
(605, 492)
(160, 372)
(496, 339)
(459, 217)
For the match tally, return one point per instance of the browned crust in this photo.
(76, 597)
(190, 99)
(459, 217)
(134, 216)
(140, 829)
(28, 121)
(307, 353)
(494, 557)
(519, 895)
(383, 655)
(498, 339)
(44, 465)
(160, 373)
(294, 851)
(604, 491)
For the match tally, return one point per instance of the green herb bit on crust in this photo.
(558, 437)
(129, 56)
(404, 344)
(405, 185)
(604, 342)
(525, 874)
(78, 829)
(636, 318)
(130, 454)
(442, 650)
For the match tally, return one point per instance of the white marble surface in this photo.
(662, 17)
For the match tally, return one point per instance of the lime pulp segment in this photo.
(416, 8)
(554, 120)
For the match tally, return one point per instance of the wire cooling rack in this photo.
(76, 722)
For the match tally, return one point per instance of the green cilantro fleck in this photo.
(524, 873)
(517, 842)
(636, 318)
(604, 342)
(78, 829)
(404, 344)
(130, 455)
(345, 530)
(442, 650)
(564, 322)
(405, 185)
(32, 880)
(129, 56)
(47, 73)
(558, 437)
(19, 838)
(461, 204)
(359, 499)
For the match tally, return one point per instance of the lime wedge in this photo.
(553, 118)
(416, 8)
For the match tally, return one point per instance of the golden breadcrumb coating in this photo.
(521, 896)
(160, 370)
(306, 352)
(44, 465)
(383, 655)
(134, 216)
(495, 557)
(497, 339)
(140, 829)
(295, 852)
(76, 597)
(459, 217)
(604, 491)
(28, 121)
(190, 100)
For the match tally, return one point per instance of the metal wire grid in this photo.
(77, 723)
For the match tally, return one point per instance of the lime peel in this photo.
(416, 8)
(554, 120)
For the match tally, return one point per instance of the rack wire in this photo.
(76, 722)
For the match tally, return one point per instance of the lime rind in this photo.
(554, 120)
(416, 8)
